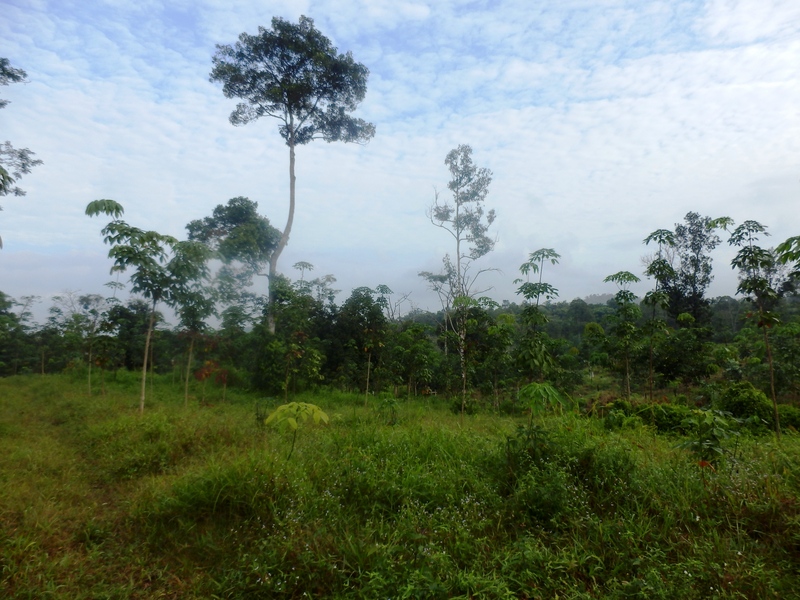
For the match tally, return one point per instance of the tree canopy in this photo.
(14, 162)
(293, 73)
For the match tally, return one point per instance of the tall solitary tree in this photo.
(464, 219)
(14, 162)
(293, 73)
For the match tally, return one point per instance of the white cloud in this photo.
(601, 122)
(747, 21)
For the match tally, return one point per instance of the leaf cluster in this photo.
(292, 414)
(293, 73)
(14, 162)
(464, 217)
(163, 268)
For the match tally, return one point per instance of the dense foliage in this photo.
(392, 500)
(319, 344)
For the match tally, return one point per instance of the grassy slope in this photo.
(98, 502)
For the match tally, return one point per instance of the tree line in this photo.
(297, 338)
(475, 349)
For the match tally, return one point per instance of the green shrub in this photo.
(789, 416)
(743, 401)
(617, 419)
(708, 432)
(605, 470)
(680, 400)
(622, 406)
(667, 418)
(531, 445)
(546, 495)
(510, 407)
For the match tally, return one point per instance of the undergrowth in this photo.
(99, 502)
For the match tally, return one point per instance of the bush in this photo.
(531, 446)
(743, 401)
(623, 406)
(667, 418)
(789, 416)
(547, 495)
(470, 406)
(617, 419)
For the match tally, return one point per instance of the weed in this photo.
(708, 432)
(289, 416)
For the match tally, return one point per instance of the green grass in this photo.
(97, 501)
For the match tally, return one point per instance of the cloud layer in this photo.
(602, 121)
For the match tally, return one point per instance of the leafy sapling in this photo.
(289, 416)
(759, 283)
(534, 355)
(541, 397)
(624, 331)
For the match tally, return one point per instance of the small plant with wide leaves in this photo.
(708, 431)
(541, 397)
(289, 416)
(389, 406)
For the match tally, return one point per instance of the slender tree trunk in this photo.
(188, 370)
(772, 385)
(146, 356)
(152, 367)
(496, 390)
(369, 366)
(627, 377)
(273, 260)
(650, 376)
(286, 382)
(462, 357)
(90, 369)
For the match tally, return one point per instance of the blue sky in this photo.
(602, 120)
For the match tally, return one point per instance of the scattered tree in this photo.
(243, 240)
(294, 74)
(14, 162)
(660, 269)
(534, 355)
(164, 269)
(464, 219)
(686, 284)
(81, 318)
(194, 305)
(624, 330)
(757, 268)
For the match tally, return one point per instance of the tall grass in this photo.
(99, 502)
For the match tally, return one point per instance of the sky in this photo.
(601, 121)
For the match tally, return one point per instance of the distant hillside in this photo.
(598, 298)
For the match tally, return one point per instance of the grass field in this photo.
(404, 501)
